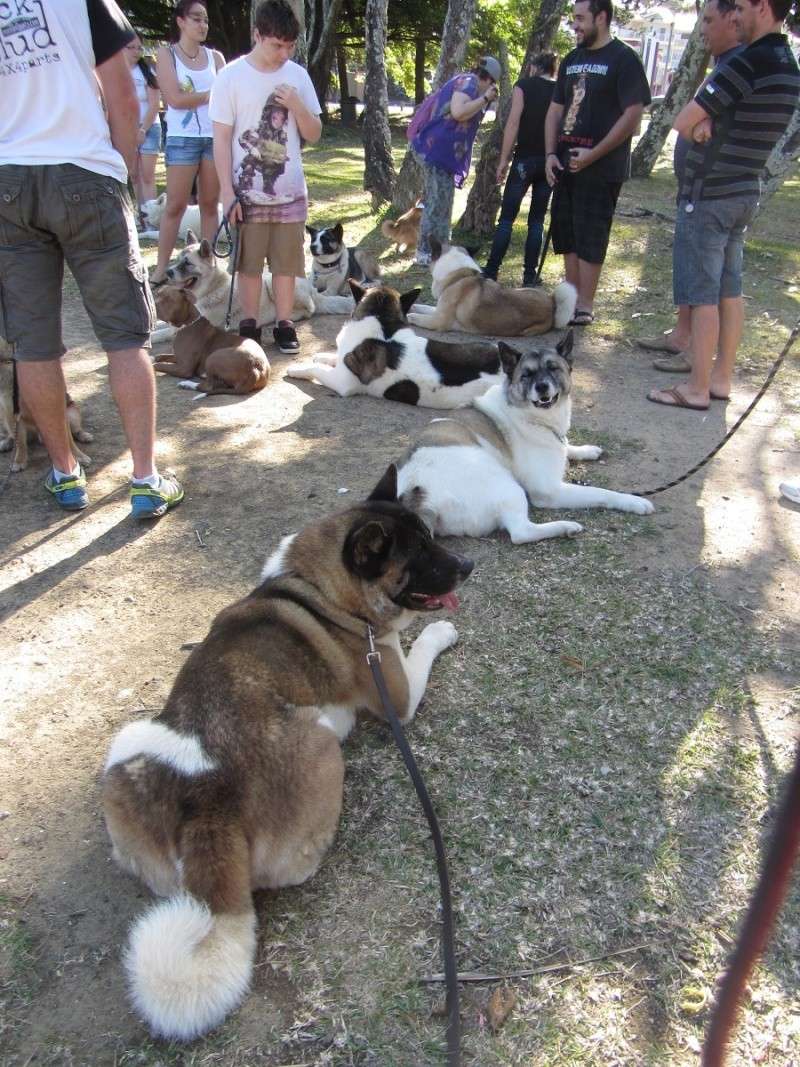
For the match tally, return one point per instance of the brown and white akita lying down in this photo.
(237, 784)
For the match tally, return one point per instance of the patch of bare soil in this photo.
(96, 608)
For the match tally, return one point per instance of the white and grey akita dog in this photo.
(377, 353)
(475, 472)
(198, 269)
(333, 263)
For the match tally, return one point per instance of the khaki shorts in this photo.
(279, 243)
(57, 213)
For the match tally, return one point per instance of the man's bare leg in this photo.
(283, 293)
(731, 324)
(249, 288)
(588, 277)
(133, 388)
(43, 388)
(702, 349)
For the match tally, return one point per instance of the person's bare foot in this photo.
(720, 390)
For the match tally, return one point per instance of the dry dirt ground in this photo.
(95, 610)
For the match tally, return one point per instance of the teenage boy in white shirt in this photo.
(258, 160)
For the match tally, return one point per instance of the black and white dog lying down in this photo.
(333, 263)
(378, 353)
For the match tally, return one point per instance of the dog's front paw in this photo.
(300, 370)
(187, 383)
(586, 452)
(17, 467)
(441, 634)
(638, 505)
(84, 437)
(569, 529)
(6, 444)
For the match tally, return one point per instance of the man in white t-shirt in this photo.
(63, 198)
(261, 106)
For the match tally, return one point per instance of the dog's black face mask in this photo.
(540, 377)
(392, 545)
(327, 241)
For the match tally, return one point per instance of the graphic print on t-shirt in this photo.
(25, 37)
(266, 155)
(571, 118)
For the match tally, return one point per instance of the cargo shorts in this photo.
(61, 213)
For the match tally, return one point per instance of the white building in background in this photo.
(659, 33)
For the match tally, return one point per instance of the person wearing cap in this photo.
(443, 145)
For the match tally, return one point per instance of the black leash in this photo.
(448, 932)
(232, 253)
(775, 368)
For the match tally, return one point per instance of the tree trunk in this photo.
(379, 174)
(347, 105)
(321, 37)
(419, 70)
(455, 36)
(782, 162)
(483, 201)
(688, 75)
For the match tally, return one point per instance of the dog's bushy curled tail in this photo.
(565, 296)
(189, 959)
(389, 228)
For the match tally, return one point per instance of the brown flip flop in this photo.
(678, 400)
(657, 344)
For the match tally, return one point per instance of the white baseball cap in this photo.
(491, 66)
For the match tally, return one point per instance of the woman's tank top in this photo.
(194, 122)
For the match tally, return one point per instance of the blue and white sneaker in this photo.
(149, 502)
(70, 492)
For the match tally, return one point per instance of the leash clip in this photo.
(373, 656)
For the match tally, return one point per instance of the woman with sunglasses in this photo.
(144, 180)
(186, 72)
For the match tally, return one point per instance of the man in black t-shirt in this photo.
(597, 106)
(734, 122)
(525, 127)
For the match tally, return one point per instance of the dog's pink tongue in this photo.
(448, 600)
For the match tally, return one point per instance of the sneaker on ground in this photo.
(423, 259)
(249, 329)
(149, 502)
(286, 337)
(791, 490)
(70, 492)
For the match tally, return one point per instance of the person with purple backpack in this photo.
(441, 135)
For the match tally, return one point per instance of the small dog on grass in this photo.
(228, 362)
(404, 231)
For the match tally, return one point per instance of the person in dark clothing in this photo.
(525, 128)
(597, 106)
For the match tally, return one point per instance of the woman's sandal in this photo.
(582, 318)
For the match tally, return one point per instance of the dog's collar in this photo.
(322, 267)
(297, 590)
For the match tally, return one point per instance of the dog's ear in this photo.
(407, 299)
(191, 238)
(337, 231)
(564, 346)
(386, 489)
(436, 247)
(509, 358)
(367, 550)
(206, 251)
(367, 360)
(358, 291)
(313, 231)
(472, 251)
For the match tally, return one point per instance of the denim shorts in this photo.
(151, 145)
(708, 249)
(188, 151)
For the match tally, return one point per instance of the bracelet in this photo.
(551, 154)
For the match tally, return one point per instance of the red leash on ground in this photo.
(770, 892)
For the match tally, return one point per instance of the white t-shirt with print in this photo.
(267, 165)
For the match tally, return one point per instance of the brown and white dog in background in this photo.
(16, 424)
(404, 231)
(228, 362)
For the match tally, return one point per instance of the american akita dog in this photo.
(237, 784)
(333, 263)
(198, 269)
(378, 354)
(465, 300)
(475, 472)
